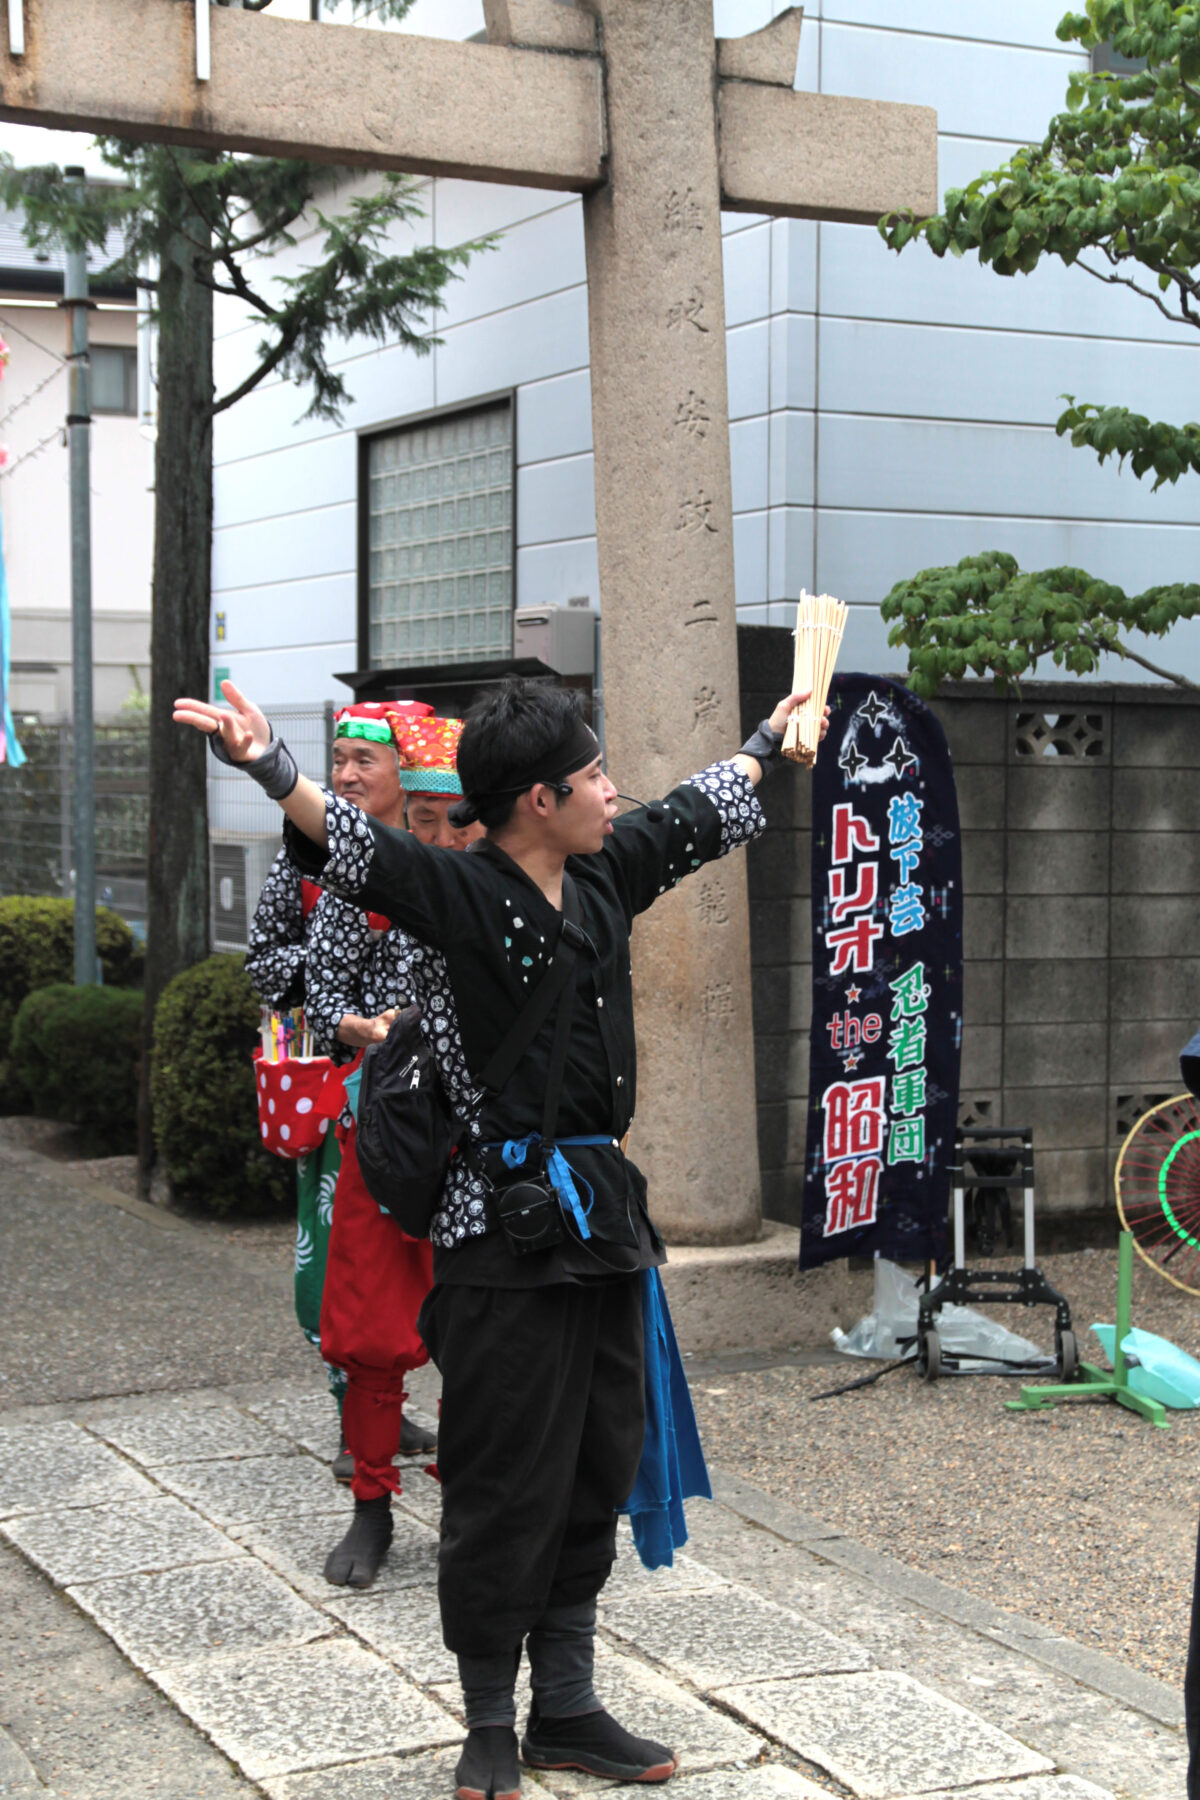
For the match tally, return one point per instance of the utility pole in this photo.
(79, 430)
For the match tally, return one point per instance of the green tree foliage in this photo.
(205, 1111)
(75, 1051)
(1113, 189)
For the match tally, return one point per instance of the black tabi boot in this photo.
(356, 1561)
(415, 1440)
(487, 1768)
(595, 1743)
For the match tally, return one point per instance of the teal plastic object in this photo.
(1157, 1368)
(352, 1084)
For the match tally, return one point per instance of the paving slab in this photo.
(739, 1638)
(420, 1494)
(405, 1626)
(91, 1543)
(631, 1580)
(297, 1548)
(883, 1733)
(18, 1777)
(260, 1487)
(312, 1706)
(1041, 1787)
(310, 1420)
(175, 1431)
(768, 1781)
(174, 1615)
(65, 1468)
(428, 1775)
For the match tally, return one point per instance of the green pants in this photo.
(316, 1179)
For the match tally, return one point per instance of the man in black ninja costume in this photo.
(540, 1351)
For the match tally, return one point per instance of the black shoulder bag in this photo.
(407, 1131)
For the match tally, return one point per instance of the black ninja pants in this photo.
(543, 1414)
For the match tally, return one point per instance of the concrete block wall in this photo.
(1080, 809)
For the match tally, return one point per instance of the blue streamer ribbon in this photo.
(562, 1176)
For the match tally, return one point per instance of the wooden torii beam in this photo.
(632, 104)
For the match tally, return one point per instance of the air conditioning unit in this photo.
(563, 637)
(237, 870)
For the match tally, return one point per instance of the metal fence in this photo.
(244, 826)
(35, 815)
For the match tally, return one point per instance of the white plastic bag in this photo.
(963, 1332)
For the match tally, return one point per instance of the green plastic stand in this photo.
(1091, 1383)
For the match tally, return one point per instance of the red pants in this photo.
(375, 1280)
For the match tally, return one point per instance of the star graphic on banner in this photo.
(852, 760)
(900, 757)
(874, 709)
(853, 1058)
(853, 996)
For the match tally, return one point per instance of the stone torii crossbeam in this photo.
(635, 106)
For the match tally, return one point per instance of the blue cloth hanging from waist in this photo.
(562, 1175)
(672, 1468)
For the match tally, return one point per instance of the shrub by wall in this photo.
(37, 949)
(75, 1052)
(205, 1113)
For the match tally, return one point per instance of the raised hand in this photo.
(242, 728)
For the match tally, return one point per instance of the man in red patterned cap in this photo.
(366, 771)
(376, 1276)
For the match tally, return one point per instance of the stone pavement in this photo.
(173, 1638)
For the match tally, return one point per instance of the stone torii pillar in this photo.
(634, 105)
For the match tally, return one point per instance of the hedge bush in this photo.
(77, 1052)
(202, 1080)
(37, 949)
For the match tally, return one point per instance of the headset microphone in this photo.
(655, 814)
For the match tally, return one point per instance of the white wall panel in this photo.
(734, 18)
(554, 418)
(390, 385)
(979, 90)
(556, 500)
(750, 558)
(865, 649)
(747, 258)
(790, 545)
(301, 674)
(921, 466)
(461, 210)
(791, 480)
(861, 555)
(321, 611)
(288, 480)
(1012, 377)
(552, 574)
(793, 265)
(295, 547)
(747, 360)
(748, 456)
(1002, 21)
(536, 257)
(546, 337)
(793, 361)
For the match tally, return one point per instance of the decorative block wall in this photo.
(1080, 808)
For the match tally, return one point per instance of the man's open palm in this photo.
(243, 729)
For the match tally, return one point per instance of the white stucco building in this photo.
(887, 412)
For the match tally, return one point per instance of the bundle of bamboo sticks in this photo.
(820, 622)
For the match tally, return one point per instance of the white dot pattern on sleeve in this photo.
(733, 794)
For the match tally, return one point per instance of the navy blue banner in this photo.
(887, 980)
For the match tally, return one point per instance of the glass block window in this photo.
(441, 540)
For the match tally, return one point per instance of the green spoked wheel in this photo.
(1158, 1190)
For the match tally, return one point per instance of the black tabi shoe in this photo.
(487, 1768)
(596, 1744)
(343, 1466)
(355, 1562)
(415, 1440)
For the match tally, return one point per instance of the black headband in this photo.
(573, 752)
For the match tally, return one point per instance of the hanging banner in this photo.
(887, 980)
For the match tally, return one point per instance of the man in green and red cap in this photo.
(365, 771)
